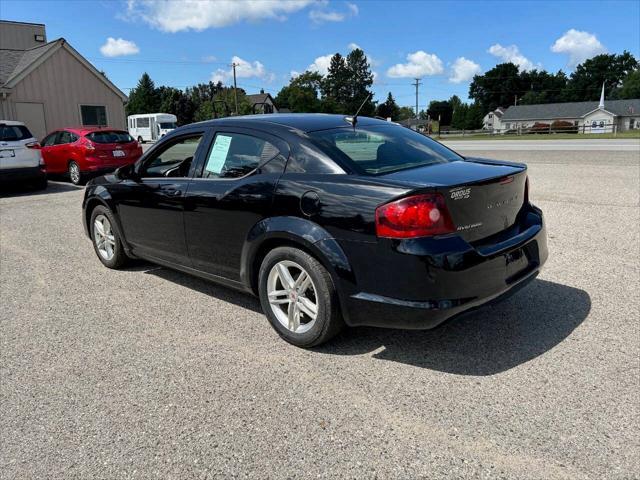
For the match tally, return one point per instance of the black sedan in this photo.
(330, 220)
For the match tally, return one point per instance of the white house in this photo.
(491, 120)
(584, 117)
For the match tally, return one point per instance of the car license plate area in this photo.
(517, 264)
(7, 153)
(118, 153)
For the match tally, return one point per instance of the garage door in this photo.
(32, 114)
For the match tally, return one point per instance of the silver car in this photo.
(20, 156)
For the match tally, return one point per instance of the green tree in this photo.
(301, 95)
(360, 80)
(586, 81)
(144, 98)
(630, 86)
(336, 86)
(175, 101)
(405, 113)
(440, 110)
(459, 117)
(498, 87)
(388, 109)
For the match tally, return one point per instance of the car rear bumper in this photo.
(428, 281)
(27, 174)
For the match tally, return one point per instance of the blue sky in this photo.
(183, 43)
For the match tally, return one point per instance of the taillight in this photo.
(417, 216)
(35, 145)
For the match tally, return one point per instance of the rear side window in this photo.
(66, 137)
(235, 155)
(142, 122)
(382, 149)
(13, 133)
(113, 136)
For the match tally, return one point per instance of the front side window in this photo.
(234, 155)
(382, 149)
(49, 139)
(93, 114)
(167, 125)
(173, 161)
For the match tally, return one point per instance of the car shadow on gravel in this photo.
(24, 190)
(484, 342)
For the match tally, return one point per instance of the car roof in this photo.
(11, 122)
(86, 129)
(306, 122)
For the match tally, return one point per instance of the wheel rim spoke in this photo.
(292, 296)
(278, 297)
(104, 237)
(308, 307)
(285, 276)
(294, 317)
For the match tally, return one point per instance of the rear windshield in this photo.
(167, 125)
(12, 133)
(110, 136)
(382, 149)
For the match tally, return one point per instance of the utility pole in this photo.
(417, 84)
(235, 86)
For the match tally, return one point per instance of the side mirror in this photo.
(128, 172)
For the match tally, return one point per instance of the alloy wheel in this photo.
(292, 296)
(74, 172)
(103, 237)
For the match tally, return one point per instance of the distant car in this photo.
(20, 156)
(85, 151)
(326, 219)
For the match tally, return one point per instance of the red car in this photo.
(86, 151)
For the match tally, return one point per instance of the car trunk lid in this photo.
(483, 197)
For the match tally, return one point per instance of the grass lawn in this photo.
(552, 136)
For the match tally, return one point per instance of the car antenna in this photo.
(354, 119)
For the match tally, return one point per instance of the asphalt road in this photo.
(149, 373)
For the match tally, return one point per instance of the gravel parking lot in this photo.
(150, 373)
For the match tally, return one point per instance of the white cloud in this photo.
(178, 15)
(419, 64)
(512, 54)
(244, 69)
(321, 64)
(463, 70)
(353, 46)
(116, 47)
(321, 16)
(294, 74)
(209, 58)
(580, 46)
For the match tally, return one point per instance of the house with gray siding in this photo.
(49, 85)
(586, 117)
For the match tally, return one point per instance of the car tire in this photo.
(306, 296)
(140, 140)
(75, 174)
(110, 251)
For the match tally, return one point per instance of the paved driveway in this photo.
(149, 373)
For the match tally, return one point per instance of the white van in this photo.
(149, 127)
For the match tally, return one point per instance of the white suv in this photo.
(20, 156)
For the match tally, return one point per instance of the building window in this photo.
(93, 114)
(631, 123)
